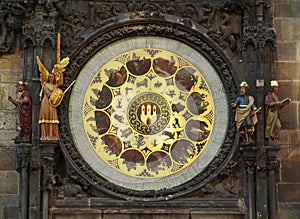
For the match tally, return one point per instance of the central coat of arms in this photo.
(148, 113)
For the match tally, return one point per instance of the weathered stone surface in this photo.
(287, 51)
(298, 51)
(285, 88)
(79, 216)
(287, 8)
(296, 90)
(10, 78)
(5, 65)
(286, 70)
(287, 29)
(290, 166)
(295, 136)
(9, 182)
(215, 216)
(289, 88)
(11, 62)
(285, 142)
(289, 192)
(289, 117)
(286, 23)
(9, 206)
(123, 216)
(152, 216)
(5, 91)
(6, 137)
(289, 210)
(8, 120)
(7, 158)
(16, 66)
(11, 212)
(9, 200)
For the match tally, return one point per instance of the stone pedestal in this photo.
(272, 165)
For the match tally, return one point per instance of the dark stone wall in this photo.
(10, 74)
(286, 23)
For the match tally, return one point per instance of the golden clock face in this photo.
(148, 113)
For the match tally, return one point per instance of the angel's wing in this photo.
(63, 63)
(43, 71)
(60, 67)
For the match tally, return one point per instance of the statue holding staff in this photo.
(245, 115)
(51, 82)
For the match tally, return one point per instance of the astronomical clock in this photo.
(148, 117)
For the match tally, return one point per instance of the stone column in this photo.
(47, 179)
(272, 171)
(249, 160)
(22, 166)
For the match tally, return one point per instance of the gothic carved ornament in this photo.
(222, 19)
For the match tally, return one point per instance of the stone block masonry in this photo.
(287, 63)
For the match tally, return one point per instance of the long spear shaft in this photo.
(58, 49)
(69, 86)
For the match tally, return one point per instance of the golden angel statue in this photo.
(50, 96)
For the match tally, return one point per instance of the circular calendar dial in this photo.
(148, 113)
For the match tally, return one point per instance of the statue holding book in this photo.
(273, 108)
